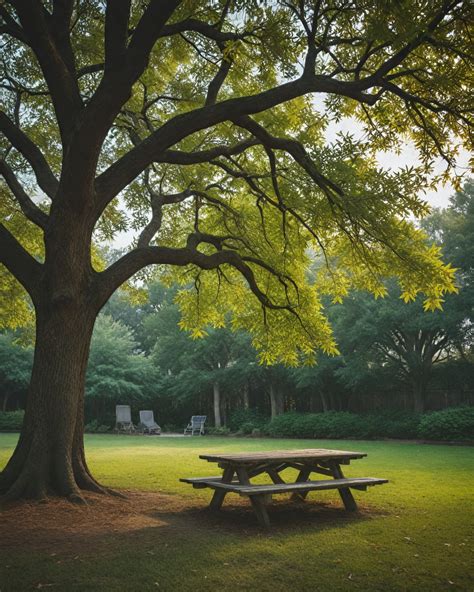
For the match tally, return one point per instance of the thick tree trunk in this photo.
(217, 404)
(49, 457)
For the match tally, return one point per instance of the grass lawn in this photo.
(415, 533)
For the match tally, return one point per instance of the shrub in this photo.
(394, 424)
(319, 425)
(246, 417)
(342, 424)
(218, 431)
(96, 427)
(248, 427)
(11, 420)
(171, 428)
(450, 424)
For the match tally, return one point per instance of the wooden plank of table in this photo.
(282, 455)
(274, 488)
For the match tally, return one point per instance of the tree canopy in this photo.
(204, 126)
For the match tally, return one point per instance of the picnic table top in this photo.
(283, 455)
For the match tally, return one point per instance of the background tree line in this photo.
(393, 355)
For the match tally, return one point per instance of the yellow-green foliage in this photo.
(302, 239)
(15, 306)
(357, 242)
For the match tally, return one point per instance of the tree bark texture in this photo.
(49, 457)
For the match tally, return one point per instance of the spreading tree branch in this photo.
(19, 262)
(54, 56)
(210, 31)
(11, 27)
(30, 151)
(183, 158)
(28, 207)
(117, 15)
(137, 259)
(129, 166)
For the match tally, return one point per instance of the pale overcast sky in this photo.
(438, 198)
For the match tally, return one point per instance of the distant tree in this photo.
(400, 338)
(193, 366)
(453, 227)
(117, 372)
(390, 339)
(320, 382)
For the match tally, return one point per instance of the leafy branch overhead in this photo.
(203, 127)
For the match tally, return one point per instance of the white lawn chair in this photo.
(196, 425)
(147, 423)
(123, 419)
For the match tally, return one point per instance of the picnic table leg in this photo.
(256, 501)
(345, 493)
(302, 476)
(275, 477)
(219, 494)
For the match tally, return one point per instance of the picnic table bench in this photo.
(238, 469)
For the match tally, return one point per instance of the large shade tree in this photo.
(398, 340)
(202, 126)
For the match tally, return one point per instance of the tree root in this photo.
(27, 485)
(77, 499)
(32, 475)
(86, 481)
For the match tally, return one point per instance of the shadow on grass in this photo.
(285, 517)
(108, 520)
(155, 538)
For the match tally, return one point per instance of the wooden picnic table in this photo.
(239, 469)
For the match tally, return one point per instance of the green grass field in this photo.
(415, 533)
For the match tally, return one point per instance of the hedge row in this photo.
(11, 420)
(450, 424)
(342, 424)
(454, 424)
